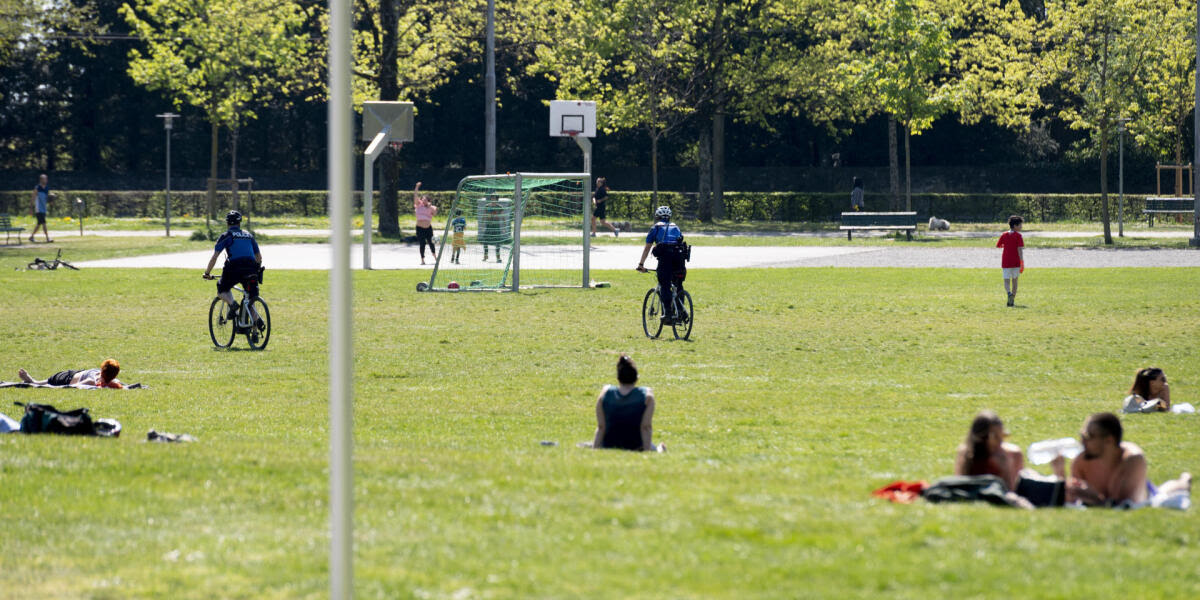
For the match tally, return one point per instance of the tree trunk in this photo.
(704, 187)
(654, 169)
(893, 166)
(211, 189)
(907, 167)
(718, 179)
(389, 89)
(1104, 216)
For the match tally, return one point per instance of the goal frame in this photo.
(518, 217)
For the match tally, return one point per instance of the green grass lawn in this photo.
(802, 390)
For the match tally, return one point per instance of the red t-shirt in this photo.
(1011, 241)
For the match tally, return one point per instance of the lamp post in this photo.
(1121, 177)
(168, 124)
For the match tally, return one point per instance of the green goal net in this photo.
(514, 231)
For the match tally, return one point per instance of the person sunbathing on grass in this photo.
(624, 412)
(1150, 392)
(105, 376)
(1111, 471)
(985, 452)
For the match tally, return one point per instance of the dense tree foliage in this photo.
(780, 82)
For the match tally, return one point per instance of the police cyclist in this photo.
(242, 265)
(667, 243)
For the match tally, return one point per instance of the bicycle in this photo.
(39, 264)
(652, 311)
(224, 323)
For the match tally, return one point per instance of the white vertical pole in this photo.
(341, 390)
(586, 145)
(167, 212)
(368, 193)
(1121, 179)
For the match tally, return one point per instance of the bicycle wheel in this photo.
(258, 339)
(68, 265)
(651, 313)
(684, 315)
(220, 329)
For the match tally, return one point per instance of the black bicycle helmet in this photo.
(233, 218)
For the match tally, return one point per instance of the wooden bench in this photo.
(7, 227)
(1170, 206)
(892, 221)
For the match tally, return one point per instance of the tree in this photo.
(629, 63)
(1097, 53)
(226, 57)
(1166, 95)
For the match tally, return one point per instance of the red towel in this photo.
(904, 492)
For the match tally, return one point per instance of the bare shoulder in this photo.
(1131, 452)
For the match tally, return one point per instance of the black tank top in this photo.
(623, 418)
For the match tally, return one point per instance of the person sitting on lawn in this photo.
(105, 376)
(985, 452)
(1111, 471)
(1150, 392)
(624, 412)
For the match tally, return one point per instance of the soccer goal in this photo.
(520, 230)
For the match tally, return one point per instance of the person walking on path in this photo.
(856, 195)
(424, 211)
(1012, 257)
(41, 201)
(599, 206)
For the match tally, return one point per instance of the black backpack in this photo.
(43, 418)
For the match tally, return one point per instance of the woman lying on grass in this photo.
(624, 412)
(1150, 392)
(105, 376)
(985, 452)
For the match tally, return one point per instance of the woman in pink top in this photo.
(424, 210)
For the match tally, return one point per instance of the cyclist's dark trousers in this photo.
(243, 271)
(425, 236)
(670, 269)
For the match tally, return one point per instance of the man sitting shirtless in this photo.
(105, 376)
(1111, 471)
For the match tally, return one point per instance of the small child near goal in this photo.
(458, 241)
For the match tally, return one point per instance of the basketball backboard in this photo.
(377, 115)
(577, 116)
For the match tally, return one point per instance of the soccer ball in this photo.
(453, 285)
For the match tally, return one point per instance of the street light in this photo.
(168, 119)
(1121, 177)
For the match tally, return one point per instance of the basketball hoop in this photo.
(395, 145)
(571, 132)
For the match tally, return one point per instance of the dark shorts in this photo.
(600, 212)
(61, 378)
(424, 233)
(243, 271)
(41, 217)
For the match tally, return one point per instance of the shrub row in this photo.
(739, 206)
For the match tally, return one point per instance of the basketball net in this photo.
(396, 146)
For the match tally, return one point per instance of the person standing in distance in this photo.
(667, 243)
(41, 201)
(1012, 257)
(599, 209)
(856, 195)
(243, 263)
(424, 210)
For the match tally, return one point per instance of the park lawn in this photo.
(802, 390)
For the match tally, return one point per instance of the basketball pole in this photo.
(586, 145)
(369, 155)
(341, 389)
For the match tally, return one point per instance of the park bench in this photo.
(892, 221)
(1175, 206)
(7, 227)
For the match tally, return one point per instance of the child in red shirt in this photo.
(1012, 259)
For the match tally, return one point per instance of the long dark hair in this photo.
(1142, 379)
(626, 371)
(976, 442)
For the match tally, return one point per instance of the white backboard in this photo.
(377, 115)
(572, 115)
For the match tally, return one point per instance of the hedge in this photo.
(638, 206)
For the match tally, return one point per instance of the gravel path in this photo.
(400, 256)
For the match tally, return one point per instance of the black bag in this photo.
(969, 488)
(43, 418)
